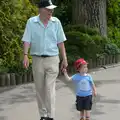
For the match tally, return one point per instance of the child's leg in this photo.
(79, 106)
(82, 115)
(88, 107)
(87, 114)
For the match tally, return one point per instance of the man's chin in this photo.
(49, 17)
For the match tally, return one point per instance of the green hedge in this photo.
(82, 28)
(87, 43)
(13, 17)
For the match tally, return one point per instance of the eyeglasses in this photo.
(49, 10)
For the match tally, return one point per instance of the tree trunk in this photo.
(91, 13)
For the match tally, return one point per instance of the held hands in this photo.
(64, 71)
(64, 64)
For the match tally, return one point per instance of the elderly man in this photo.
(44, 36)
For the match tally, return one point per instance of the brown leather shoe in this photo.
(46, 118)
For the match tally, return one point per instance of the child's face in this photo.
(83, 69)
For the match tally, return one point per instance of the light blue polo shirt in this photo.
(43, 39)
(83, 84)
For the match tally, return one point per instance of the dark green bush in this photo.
(111, 49)
(64, 11)
(87, 43)
(82, 29)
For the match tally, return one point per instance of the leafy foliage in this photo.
(13, 16)
(87, 43)
(83, 29)
(111, 49)
(64, 11)
(113, 17)
(82, 40)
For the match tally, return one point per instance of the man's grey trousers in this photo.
(45, 72)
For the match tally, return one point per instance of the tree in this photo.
(91, 13)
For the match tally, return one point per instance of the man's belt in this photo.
(45, 56)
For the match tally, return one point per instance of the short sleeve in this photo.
(91, 79)
(74, 77)
(60, 33)
(27, 33)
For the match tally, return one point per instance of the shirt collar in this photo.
(37, 19)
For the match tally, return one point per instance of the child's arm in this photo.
(66, 75)
(94, 89)
(93, 86)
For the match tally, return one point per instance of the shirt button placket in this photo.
(44, 39)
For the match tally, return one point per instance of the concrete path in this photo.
(20, 103)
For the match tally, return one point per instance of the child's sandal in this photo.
(82, 119)
(87, 118)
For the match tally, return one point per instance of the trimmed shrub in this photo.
(87, 43)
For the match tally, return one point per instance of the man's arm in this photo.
(27, 37)
(26, 47)
(61, 47)
(26, 43)
(60, 42)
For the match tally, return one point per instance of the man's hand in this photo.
(64, 64)
(26, 61)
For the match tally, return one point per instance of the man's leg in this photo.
(51, 70)
(39, 79)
